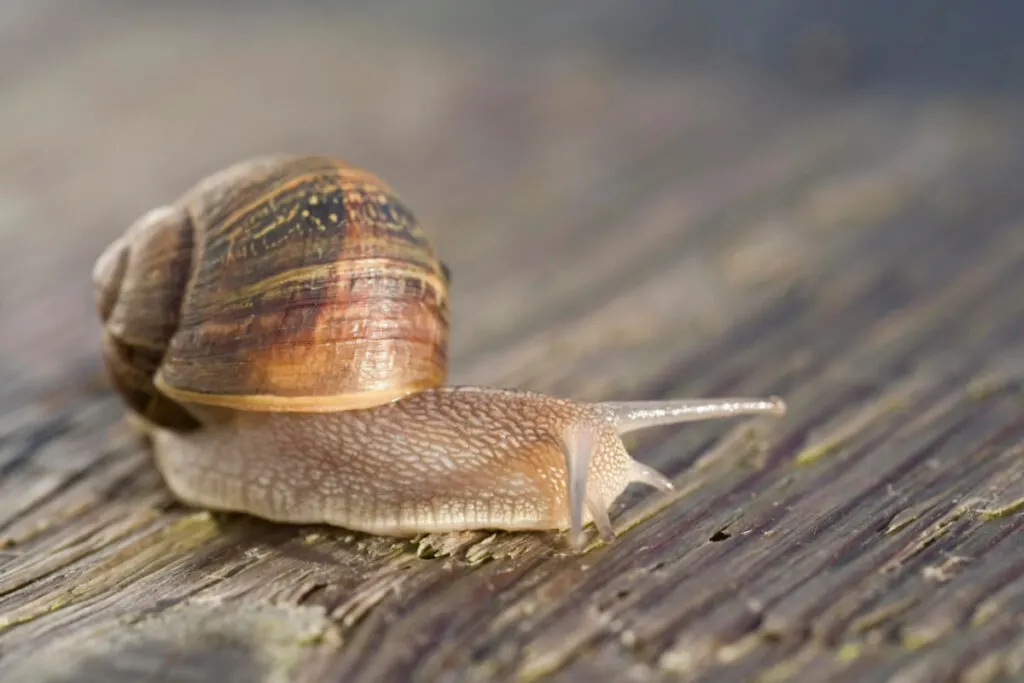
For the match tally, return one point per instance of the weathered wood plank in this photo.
(615, 230)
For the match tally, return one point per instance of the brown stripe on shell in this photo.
(319, 290)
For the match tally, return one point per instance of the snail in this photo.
(279, 334)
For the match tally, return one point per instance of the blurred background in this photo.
(819, 199)
(559, 153)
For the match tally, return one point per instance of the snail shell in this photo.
(283, 284)
(280, 333)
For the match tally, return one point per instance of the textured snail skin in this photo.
(280, 333)
(446, 459)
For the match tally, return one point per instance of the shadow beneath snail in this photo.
(328, 546)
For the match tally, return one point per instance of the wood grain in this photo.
(617, 228)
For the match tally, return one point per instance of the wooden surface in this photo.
(799, 209)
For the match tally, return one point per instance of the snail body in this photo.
(280, 334)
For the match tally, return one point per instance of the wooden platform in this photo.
(790, 203)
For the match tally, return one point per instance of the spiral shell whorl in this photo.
(138, 284)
